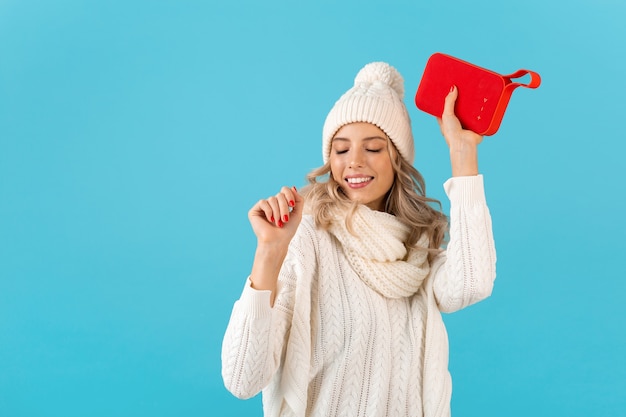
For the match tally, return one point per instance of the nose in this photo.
(356, 160)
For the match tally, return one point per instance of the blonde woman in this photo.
(341, 313)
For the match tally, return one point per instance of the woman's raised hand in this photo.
(275, 219)
(462, 142)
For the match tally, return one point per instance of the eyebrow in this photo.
(367, 138)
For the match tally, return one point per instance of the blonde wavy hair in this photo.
(406, 200)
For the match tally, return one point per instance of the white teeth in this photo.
(358, 180)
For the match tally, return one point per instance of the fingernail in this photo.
(292, 203)
(272, 219)
(295, 189)
(452, 88)
(280, 224)
(286, 218)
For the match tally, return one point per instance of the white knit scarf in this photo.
(377, 253)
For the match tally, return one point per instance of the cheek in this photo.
(335, 171)
(386, 171)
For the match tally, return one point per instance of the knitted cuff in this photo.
(255, 302)
(465, 190)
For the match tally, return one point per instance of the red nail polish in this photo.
(452, 89)
(295, 189)
(272, 219)
(280, 224)
(286, 218)
(292, 203)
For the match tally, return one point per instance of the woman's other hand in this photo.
(274, 221)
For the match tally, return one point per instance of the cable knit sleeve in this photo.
(466, 270)
(257, 333)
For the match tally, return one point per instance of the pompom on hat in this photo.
(376, 98)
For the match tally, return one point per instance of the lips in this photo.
(358, 182)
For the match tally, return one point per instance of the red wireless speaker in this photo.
(483, 94)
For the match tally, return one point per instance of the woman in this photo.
(340, 315)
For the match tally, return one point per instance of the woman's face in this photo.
(360, 162)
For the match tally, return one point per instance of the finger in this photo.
(282, 200)
(274, 203)
(290, 197)
(294, 198)
(279, 208)
(261, 209)
(299, 198)
(298, 207)
(448, 106)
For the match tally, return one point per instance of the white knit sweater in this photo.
(331, 346)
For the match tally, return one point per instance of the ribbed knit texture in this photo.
(332, 346)
(377, 98)
(375, 249)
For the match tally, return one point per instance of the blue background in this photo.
(135, 135)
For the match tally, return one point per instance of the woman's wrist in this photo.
(464, 161)
(268, 261)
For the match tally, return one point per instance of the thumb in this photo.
(298, 207)
(448, 106)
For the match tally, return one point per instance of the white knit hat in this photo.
(376, 98)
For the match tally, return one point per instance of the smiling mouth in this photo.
(359, 180)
